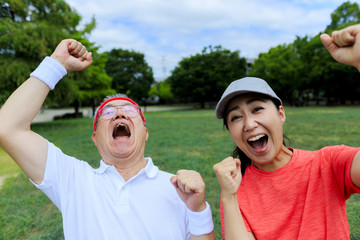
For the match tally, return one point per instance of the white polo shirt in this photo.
(99, 204)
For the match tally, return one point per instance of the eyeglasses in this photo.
(110, 111)
(100, 109)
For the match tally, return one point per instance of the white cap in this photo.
(240, 86)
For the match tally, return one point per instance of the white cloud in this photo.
(168, 30)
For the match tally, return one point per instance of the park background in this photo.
(321, 98)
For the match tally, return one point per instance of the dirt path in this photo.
(1, 180)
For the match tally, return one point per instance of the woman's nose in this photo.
(249, 123)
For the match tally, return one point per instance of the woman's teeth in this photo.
(256, 138)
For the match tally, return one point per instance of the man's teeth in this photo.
(256, 137)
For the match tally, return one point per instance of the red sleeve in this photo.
(222, 218)
(340, 158)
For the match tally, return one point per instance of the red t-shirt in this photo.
(303, 200)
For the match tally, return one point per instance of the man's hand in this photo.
(344, 45)
(72, 55)
(191, 189)
(229, 176)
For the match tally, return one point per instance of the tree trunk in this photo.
(77, 107)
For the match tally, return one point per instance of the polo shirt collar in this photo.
(150, 169)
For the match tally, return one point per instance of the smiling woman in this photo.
(269, 169)
(282, 192)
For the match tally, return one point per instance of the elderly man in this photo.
(127, 197)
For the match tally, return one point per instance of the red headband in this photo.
(116, 98)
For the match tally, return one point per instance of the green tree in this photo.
(346, 14)
(304, 70)
(25, 38)
(163, 91)
(203, 77)
(130, 73)
(340, 80)
(311, 53)
(281, 68)
(29, 31)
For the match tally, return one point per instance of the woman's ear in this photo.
(282, 114)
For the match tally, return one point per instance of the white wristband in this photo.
(50, 72)
(201, 223)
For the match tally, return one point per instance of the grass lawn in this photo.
(7, 166)
(178, 139)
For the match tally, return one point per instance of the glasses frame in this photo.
(117, 107)
(96, 117)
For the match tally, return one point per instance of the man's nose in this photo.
(120, 114)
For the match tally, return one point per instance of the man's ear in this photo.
(93, 138)
(147, 134)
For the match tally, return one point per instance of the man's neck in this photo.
(129, 167)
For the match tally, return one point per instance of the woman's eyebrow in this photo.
(250, 101)
(233, 109)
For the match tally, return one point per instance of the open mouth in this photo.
(121, 130)
(258, 142)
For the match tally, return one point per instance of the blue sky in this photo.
(166, 31)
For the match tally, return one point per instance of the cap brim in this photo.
(221, 106)
(242, 86)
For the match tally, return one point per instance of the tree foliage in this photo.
(203, 77)
(130, 73)
(346, 14)
(163, 91)
(29, 31)
(304, 70)
(283, 58)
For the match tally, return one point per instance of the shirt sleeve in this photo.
(340, 158)
(60, 172)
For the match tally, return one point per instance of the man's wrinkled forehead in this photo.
(118, 103)
(117, 100)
